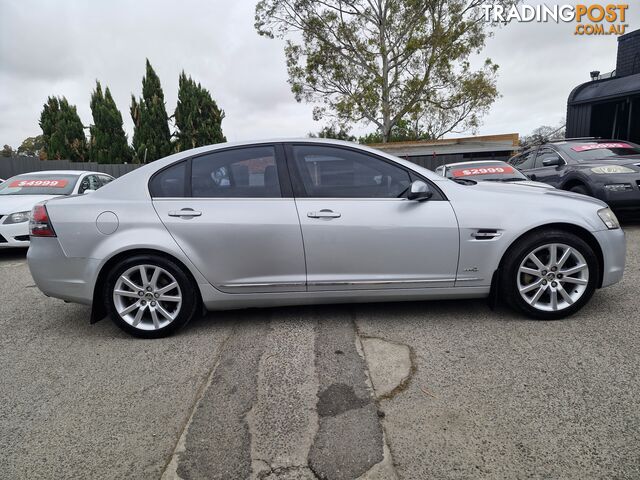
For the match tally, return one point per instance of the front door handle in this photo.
(325, 213)
(185, 212)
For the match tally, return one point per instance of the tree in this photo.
(7, 151)
(197, 116)
(334, 131)
(151, 136)
(62, 131)
(381, 61)
(31, 146)
(543, 134)
(108, 142)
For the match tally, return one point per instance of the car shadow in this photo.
(12, 254)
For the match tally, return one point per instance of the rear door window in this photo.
(170, 182)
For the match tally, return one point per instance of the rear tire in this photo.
(549, 274)
(150, 296)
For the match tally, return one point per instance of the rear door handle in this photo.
(185, 212)
(324, 214)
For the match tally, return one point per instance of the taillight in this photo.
(39, 223)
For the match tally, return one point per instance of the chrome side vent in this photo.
(486, 234)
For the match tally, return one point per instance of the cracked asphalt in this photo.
(449, 390)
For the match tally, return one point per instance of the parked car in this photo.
(315, 221)
(487, 171)
(19, 194)
(604, 169)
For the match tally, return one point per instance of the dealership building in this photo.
(609, 105)
(433, 153)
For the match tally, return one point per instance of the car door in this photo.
(359, 229)
(233, 214)
(547, 174)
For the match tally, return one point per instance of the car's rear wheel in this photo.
(150, 296)
(549, 275)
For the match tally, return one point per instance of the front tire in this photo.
(150, 296)
(581, 189)
(549, 275)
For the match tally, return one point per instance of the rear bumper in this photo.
(70, 279)
(614, 251)
(15, 235)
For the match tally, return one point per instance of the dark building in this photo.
(609, 105)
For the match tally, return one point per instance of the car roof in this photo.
(473, 162)
(63, 172)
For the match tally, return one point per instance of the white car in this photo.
(19, 194)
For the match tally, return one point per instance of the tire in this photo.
(167, 298)
(572, 289)
(580, 189)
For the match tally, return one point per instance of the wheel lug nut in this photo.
(143, 302)
(141, 293)
(156, 295)
(148, 289)
(153, 304)
(554, 284)
(553, 269)
(544, 272)
(559, 275)
(544, 282)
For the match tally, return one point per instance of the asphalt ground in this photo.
(322, 392)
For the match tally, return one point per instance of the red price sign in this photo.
(598, 146)
(468, 172)
(39, 183)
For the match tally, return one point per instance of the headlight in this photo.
(18, 217)
(612, 169)
(609, 218)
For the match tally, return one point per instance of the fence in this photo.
(10, 166)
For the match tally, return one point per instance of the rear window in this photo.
(169, 182)
(41, 184)
(585, 151)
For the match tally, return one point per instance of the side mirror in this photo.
(552, 162)
(419, 191)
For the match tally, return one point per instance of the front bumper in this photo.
(620, 200)
(14, 235)
(70, 279)
(614, 250)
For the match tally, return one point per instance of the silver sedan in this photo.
(314, 221)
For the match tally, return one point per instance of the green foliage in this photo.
(198, 118)
(31, 146)
(151, 136)
(108, 142)
(7, 151)
(62, 131)
(334, 131)
(386, 61)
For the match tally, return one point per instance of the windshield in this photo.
(585, 151)
(45, 184)
(498, 172)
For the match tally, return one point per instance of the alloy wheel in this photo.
(147, 297)
(553, 277)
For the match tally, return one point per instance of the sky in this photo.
(60, 47)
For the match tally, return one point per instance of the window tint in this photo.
(341, 173)
(90, 182)
(104, 179)
(169, 182)
(244, 172)
(524, 161)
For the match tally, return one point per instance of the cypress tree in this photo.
(108, 141)
(62, 131)
(197, 116)
(150, 121)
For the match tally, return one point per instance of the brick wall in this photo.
(628, 62)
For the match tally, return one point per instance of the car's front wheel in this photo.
(149, 296)
(549, 274)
